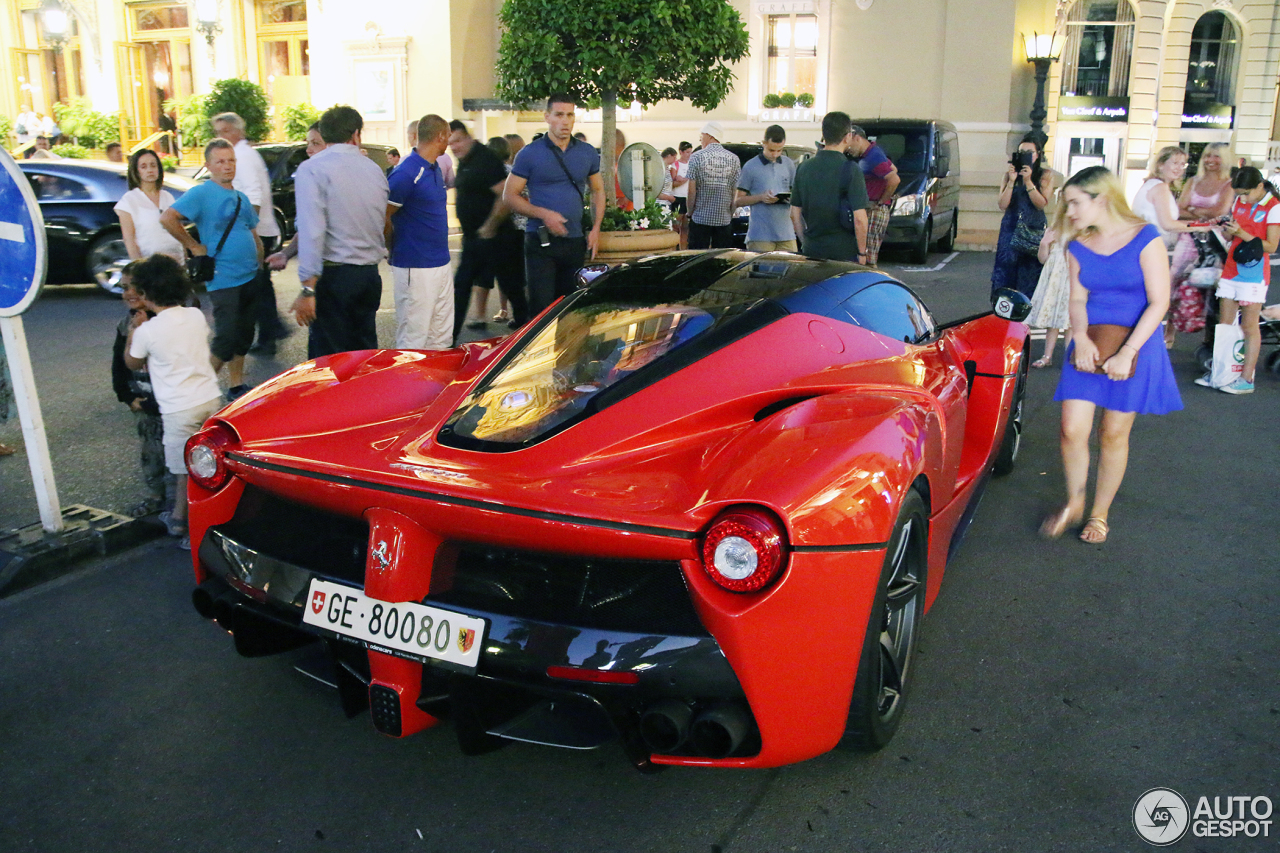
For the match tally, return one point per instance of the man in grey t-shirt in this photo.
(764, 185)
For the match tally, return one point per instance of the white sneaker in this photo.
(1205, 381)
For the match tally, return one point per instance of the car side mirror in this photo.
(1010, 305)
(590, 273)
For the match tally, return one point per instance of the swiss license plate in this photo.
(403, 627)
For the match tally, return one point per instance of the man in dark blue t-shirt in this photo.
(554, 168)
(420, 249)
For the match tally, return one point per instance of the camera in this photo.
(1022, 158)
(544, 236)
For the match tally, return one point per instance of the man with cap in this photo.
(713, 180)
(881, 178)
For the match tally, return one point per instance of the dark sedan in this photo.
(283, 160)
(77, 199)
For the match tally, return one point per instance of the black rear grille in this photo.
(327, 544)
(643, 596)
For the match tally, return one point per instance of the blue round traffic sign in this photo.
(22, 240)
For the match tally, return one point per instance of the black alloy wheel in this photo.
(888, 650)
(949, 242)
(920, 249)
(106, 260)
(1012, 440)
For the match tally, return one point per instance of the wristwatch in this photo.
(309, 292)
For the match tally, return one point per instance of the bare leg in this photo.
(1113, 458)
(180, 497)
(1050, 341)
(1249, 315)
(479, 301)
(235, 371)
(1077, 425)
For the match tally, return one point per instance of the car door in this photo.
(890, 309)
(72, 218)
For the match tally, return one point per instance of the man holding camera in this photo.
(555, 168)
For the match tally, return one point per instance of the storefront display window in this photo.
(1099, 48)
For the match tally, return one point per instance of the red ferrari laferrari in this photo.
(700, 505)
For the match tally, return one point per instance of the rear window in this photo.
(889, 309)
(574, 358)
(908, 148)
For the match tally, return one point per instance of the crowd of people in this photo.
(1111, 273)
(530, 214)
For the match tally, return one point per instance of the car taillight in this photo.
(206, 456)
(744, 550)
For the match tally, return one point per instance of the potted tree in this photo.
(601, 51)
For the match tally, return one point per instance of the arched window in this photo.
(1211, 68)
(1098, 49)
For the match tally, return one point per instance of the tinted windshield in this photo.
(907, 147)
(574, 358)
(633, 327)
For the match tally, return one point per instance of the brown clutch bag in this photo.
(1108, 338)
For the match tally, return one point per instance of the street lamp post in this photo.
(207, 23)
(1042, 50)
(55, 23)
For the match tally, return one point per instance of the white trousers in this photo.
(424, 307)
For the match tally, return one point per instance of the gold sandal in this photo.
(1095, 527)
(1056, 523)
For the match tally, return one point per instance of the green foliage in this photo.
(297, 118)
(805, 99)
(6, 130)
(787, 99)
(71, 152)
(168, 162)
(78, 120)
(772, 101)
(649, 217)
(647, 52)
(193, 119)
(247, 100)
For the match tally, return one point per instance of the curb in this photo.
(30, 555)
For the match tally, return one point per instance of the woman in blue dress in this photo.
(1119, 275)
(1024, 194)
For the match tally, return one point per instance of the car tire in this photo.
(1273, 362)
(106, 258)
(1011, 441)
(920, 249)
(888, 648)
(949, 242)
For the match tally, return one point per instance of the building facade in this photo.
(1133, 75)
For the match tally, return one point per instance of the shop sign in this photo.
(787, 7)
(1087, 108)
(1208, 114)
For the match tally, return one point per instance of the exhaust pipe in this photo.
(719, 731)
(204, 596)
(664, 725)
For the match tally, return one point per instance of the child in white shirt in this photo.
(174, 347)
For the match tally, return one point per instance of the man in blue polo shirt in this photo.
(555, 168)
(213, 206)
(420, 246)
(764, 185)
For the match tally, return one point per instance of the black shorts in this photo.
(233, 321)
(680, 205)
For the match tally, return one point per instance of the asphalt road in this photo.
(1057, 681)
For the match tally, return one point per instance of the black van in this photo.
(926, 205)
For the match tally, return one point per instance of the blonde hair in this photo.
(1097, 182)
(1164, 155)
(1223, 150)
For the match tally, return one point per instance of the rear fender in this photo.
(834, 467)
